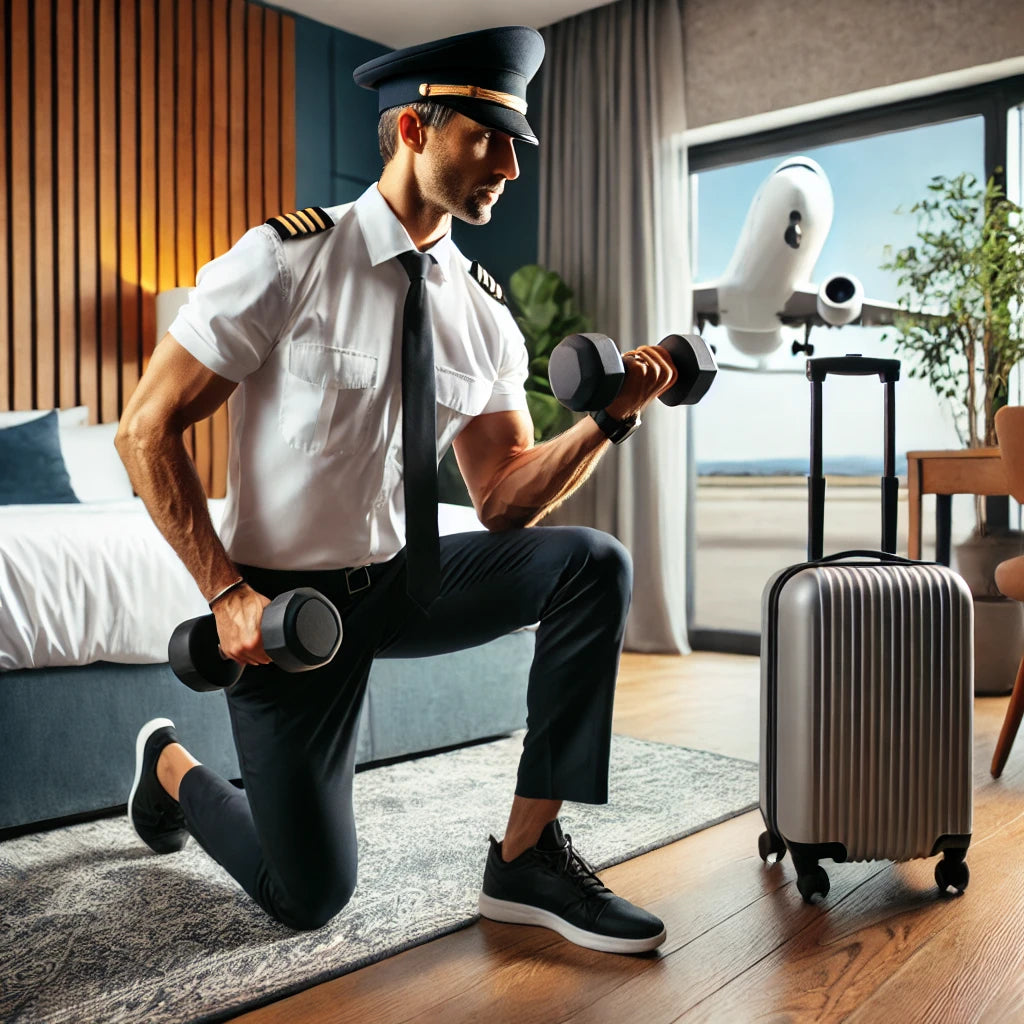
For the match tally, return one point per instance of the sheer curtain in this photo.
(613, 223)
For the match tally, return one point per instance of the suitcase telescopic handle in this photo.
(888, 371)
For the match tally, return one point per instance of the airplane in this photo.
(767, 284)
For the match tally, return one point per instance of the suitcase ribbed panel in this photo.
(875, 698)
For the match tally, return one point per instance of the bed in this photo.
(89, 594)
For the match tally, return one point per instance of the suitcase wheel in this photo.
(952, 872)
(768, 845)
(813, 883)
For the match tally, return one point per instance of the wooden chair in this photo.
(1010, 574)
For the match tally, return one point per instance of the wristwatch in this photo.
(615, 430)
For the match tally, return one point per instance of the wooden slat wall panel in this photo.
(203, 205)
(85, 178)
(66, 299)
(254, 102)
(144, 138)
(221, 131)
(147, 121)
(106, 175)
(128, 208)
(43, 213)
(21, 210)
(237, 113)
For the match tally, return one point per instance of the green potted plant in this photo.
(967, 266)
(547, 312)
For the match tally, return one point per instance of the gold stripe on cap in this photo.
(476, 92)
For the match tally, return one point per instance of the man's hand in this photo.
(239, 616)
(649, 372)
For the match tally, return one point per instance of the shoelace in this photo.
(583, 873)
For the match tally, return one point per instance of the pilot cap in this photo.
(480, 74)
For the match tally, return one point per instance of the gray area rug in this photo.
(94, 928)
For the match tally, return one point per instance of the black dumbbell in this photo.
(301, 630)
(586, 371)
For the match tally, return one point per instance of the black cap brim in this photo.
(491, 115)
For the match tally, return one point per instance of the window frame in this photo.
(992, 101)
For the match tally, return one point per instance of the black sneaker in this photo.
(553, 886)
(156, 817)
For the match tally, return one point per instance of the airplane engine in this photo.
(840, 299)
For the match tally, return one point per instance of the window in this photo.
(750, 434)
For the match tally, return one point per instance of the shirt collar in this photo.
(386, 237)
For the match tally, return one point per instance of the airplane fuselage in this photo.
(782, 237)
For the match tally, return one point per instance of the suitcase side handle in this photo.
(888, 371)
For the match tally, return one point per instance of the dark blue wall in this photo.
(336, 155)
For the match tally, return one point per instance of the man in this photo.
(303, 326)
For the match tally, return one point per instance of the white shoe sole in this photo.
(522, 913)
(140, 745)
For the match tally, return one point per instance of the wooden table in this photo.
(945, 473)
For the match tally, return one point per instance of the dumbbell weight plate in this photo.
(586, 371)
(302, 631)
(194, 654)
(696, 365)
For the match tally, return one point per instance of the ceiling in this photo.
(396, 23)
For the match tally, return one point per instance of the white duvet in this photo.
(97, 582)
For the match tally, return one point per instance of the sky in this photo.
(875, 181)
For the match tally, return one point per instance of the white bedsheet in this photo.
(97, 582)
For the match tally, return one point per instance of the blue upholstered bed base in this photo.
(67, 735)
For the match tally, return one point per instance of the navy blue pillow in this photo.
(32, 470)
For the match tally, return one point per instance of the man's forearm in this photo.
(165, 477)
(535, 481)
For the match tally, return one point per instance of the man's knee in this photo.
(605, 558)
(316, 904)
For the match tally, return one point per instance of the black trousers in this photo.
(289, 838)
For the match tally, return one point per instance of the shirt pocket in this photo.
(460, 397)
(325, 405)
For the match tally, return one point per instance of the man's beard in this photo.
(447, 190)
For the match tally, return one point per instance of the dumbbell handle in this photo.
(301, 631)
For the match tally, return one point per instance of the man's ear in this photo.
(411, 131)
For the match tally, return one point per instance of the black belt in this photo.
(357, 579)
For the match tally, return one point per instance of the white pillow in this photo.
(76, 417)
(95, 468)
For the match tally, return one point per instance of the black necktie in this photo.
(419, 436)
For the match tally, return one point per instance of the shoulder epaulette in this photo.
(300, 224)
(487, 282)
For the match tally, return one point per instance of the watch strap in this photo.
(615, 430)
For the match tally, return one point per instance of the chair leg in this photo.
(1011, 723)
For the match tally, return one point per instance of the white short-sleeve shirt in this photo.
(311, 328)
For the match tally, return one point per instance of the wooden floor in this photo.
(742, 946)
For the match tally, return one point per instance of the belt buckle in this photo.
(360, 583)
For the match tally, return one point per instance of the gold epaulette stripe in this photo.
(310, 221)
(487, 282)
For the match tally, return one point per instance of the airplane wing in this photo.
(705, 305)
(801, 310)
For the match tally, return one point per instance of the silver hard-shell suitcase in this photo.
(866, 692)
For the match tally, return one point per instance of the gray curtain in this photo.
(613, 223)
